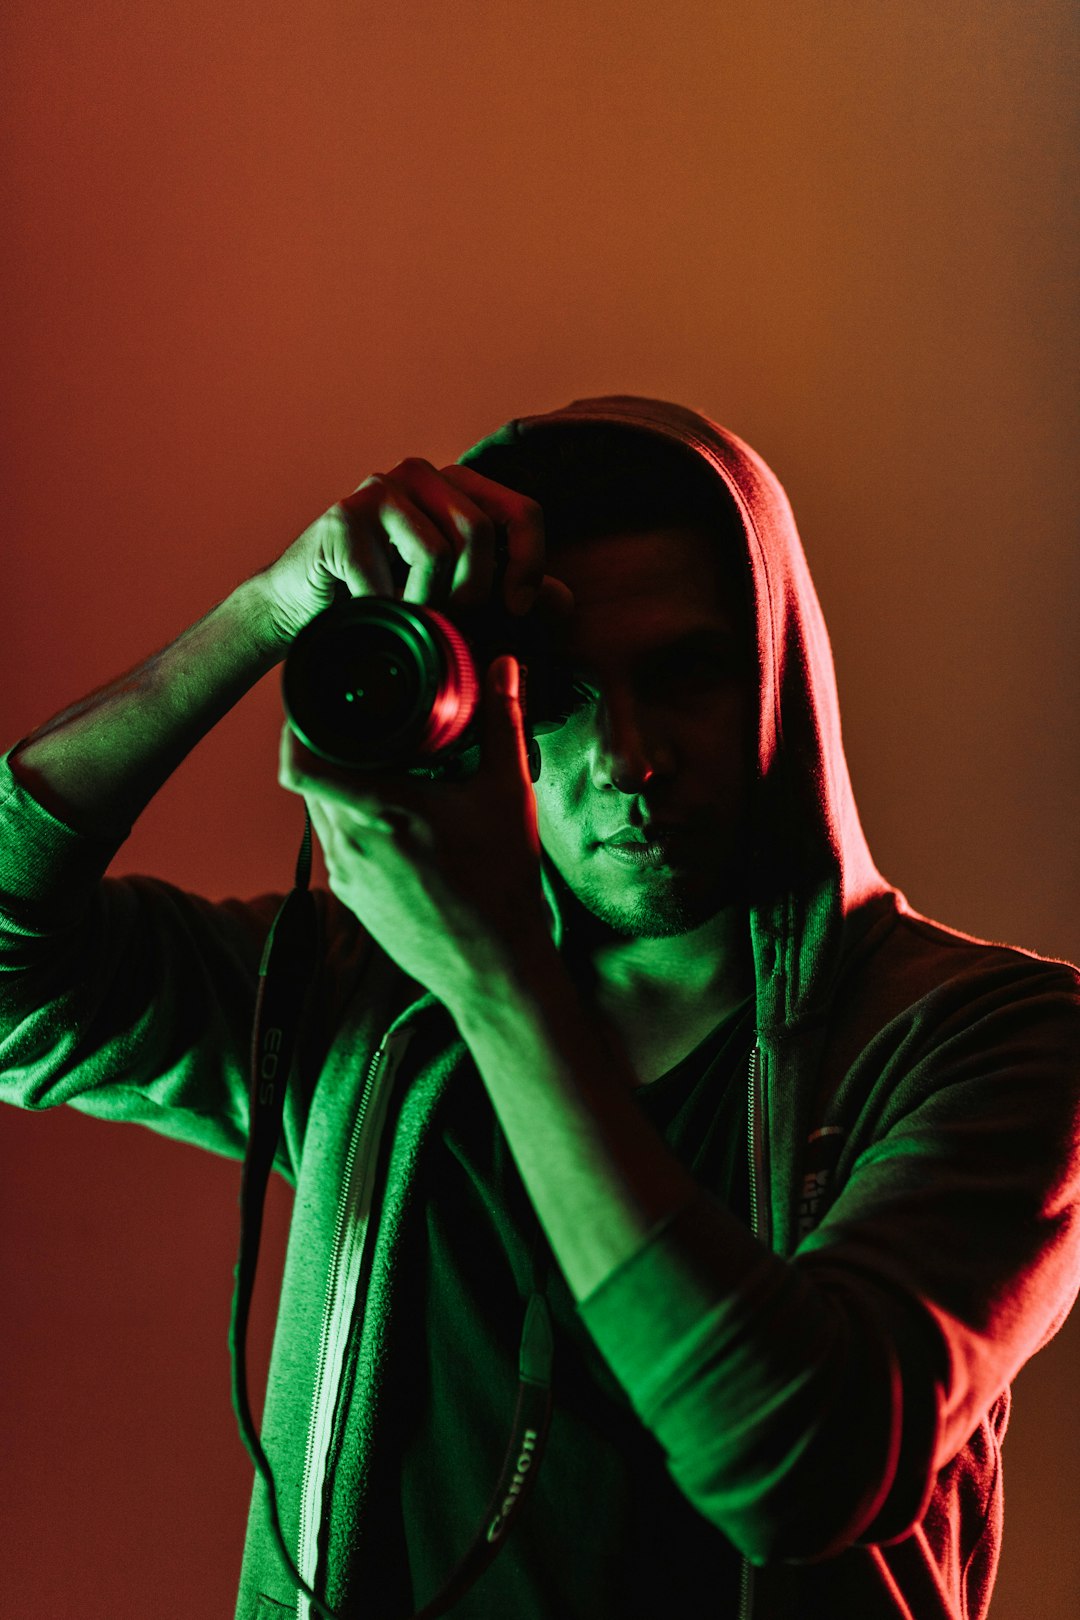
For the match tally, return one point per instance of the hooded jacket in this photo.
(830, 1389)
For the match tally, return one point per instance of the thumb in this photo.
(504, 738)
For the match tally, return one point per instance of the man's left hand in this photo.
(445, 876)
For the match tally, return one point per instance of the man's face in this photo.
(657, 641)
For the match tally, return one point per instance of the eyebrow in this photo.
(703, 638)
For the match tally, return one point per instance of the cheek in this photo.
(562, 781)
(721, 738)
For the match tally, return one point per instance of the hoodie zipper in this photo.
(345, 1256)
(753, 1114)
(346, 1253)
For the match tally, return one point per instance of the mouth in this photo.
(649, 846)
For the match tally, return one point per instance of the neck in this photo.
(712, 963)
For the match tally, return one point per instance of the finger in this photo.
(555, 600)
(383, 803)
(468, 531)
(382, 515)
(352, 552)
(523, 522)
(339, 853)
(322, 827)
(503, 752)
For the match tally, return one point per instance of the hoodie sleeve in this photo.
(127, 998)
(807, 1404)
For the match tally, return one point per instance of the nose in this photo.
(626, 757)
(631, 780)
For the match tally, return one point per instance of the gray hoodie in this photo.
(830, 1389)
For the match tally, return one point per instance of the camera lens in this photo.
(374, 683)
(366, 687)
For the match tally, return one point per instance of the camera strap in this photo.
(286, 970)
(289, 958)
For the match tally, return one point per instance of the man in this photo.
(649, 1037)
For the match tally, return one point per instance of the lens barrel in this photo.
(377, 684)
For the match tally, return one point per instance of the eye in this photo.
(573, 697)
(698, 669)
(579, 696)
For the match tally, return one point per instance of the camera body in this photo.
(378, 684)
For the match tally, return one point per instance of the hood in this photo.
(816, 876)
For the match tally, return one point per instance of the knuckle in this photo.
(335, 521)
(363, 497)
(439, 551)
(373, 480)
(412, 464)
(476, 528)
(353, 841)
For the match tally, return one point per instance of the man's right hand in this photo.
(97, 764)
(442, 522)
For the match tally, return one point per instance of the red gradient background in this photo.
(254, 252)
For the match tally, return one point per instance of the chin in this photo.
(662, 910)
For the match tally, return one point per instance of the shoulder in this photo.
(923, 1006)
(909, 963)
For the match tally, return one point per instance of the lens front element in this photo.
(375, 683)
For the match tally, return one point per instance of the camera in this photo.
(374, 683)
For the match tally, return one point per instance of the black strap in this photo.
(285, 973)
(532, 1416)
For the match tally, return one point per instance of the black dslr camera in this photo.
(374, 683)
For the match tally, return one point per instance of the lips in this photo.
(658, 844)
(655, 833)
(662, 852)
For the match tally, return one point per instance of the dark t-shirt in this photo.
(605, 1534)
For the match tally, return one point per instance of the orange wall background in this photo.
(256, 251)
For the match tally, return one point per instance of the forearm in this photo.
(749, 1375)
(97, 764)
(599, 1175)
